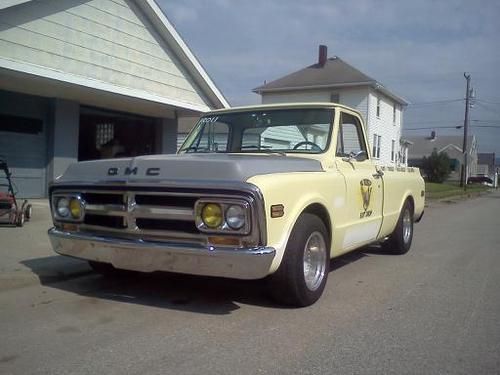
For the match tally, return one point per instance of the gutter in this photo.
(312, 87)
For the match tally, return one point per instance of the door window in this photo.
(350, 139)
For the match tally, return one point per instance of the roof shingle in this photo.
(335, 72)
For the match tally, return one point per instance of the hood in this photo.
(189, 167)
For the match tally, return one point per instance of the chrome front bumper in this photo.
(147, 256)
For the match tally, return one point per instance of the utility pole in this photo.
(463, 179)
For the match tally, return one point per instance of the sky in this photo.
(417, 49)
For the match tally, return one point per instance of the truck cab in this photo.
(271, 192)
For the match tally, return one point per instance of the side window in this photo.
(350, 136)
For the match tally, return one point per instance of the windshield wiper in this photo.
(263, 149)
(194, 149)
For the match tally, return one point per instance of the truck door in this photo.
(362, 214)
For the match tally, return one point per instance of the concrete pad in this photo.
(27, 257)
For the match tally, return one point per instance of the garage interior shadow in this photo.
(199, 294)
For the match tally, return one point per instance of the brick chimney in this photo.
(322, 55)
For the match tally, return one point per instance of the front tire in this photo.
(400, 240)
(303, 272)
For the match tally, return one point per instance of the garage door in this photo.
(23, 145)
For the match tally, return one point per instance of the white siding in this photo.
(383, 125)
(276, 137)
(105, 40)
(296, 97)
(356, 98)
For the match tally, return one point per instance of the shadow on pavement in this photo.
(56, 268)
(206, 295)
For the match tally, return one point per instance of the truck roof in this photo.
(283, 106)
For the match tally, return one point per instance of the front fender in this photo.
(291, 192)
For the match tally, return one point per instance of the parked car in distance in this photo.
(484, 180)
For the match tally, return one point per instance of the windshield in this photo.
(280, 131)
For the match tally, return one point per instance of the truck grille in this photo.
(161, 213)
(140, 213)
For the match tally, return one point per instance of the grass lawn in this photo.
(439, 191)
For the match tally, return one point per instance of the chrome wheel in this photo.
(407, 226)
(314, 260)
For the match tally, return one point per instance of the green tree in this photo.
(436, 166)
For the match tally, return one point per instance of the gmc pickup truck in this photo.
(271, 191)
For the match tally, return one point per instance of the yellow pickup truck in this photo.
(271, 191)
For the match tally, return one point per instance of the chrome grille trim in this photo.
(106, 209)
(130, 210)
(170, 213)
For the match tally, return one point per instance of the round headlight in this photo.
(62, 207)
(75, 207)
(235, 217)
(211, 214)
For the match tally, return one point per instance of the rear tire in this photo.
(400, 240)
(303, 272)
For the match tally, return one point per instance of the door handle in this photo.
(378, 174)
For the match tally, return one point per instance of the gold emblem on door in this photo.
(366, 193)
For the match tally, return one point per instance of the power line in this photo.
(447, 122)
(432, 122)
(487, 101)
(496, 126)
(486, 108)
(436, 102)
(485, 121)
(435, 127)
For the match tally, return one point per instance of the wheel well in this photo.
(412, 203)
(320, 211)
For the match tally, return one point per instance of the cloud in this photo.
(419, 49)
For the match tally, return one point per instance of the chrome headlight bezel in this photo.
(224, 228)
(57, 197)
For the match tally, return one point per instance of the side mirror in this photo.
(358, 156)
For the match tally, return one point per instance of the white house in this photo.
(86, 79)
(334, 80)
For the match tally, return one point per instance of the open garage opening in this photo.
(107, 134)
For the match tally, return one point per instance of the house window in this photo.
(20, 124)
(335, 98)
(378, 106)
(394, 115)
(376, 146)
(104, 133)
(454, 163)
(393, 150)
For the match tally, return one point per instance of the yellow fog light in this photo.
(211, 214)
(75, 207)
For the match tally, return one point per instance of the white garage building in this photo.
(87, 79)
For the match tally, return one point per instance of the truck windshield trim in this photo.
(280, 131)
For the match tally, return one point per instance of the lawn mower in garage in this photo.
(10, 210)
